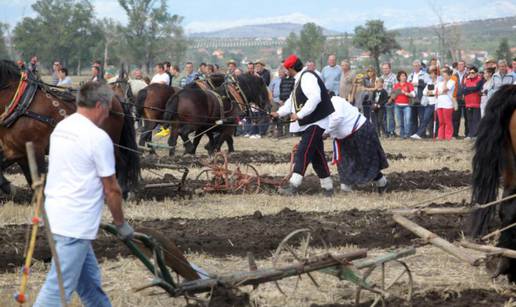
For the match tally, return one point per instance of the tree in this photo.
(152, 32)
(374, 38)
(308, 45)
(311, 41)
(4, 54)
(504, 51)
(62, 30)
(292, 44)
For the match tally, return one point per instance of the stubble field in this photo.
(216, 231)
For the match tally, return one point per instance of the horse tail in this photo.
(493, 140)
(171, 109)
(140, 102)
(129, 148)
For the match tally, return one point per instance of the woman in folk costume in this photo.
(356, 149)
(309, 107)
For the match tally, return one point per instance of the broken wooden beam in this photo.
(443, 210)
(434, 239)
(272, 274)
(509, 253)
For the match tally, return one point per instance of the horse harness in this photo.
(21, 101)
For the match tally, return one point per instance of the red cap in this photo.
(290, 61)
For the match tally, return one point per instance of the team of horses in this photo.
(212, 107)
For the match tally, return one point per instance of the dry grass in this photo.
(439, 272)
(432, 268)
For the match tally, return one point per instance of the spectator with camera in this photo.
(379, 99)
(487, 89)
(419, 78)
(428, 100)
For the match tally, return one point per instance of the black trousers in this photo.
(311, 150)
(457, 115)
(378, 120)
(473, 119)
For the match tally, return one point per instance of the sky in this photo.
(343, 15)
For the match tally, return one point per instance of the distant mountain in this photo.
(272, 30)
(477, 29)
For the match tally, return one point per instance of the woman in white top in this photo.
(428, 103)
(64, 79)
(445, 105)
(487, 89)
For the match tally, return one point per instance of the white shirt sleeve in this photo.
(312, 91)
(104, 156)
(286, 108)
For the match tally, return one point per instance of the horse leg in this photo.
(197, 140)
(210, 145)
(146, 135)
(5, 185)
(172, 140)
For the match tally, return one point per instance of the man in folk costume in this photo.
(309, 107)
(356, 149)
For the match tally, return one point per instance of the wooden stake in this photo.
(37, 183)
(509, 253)
(436, 240)
(498, 231)
(444, 210)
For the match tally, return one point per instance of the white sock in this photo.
(296, 180)
(382, 182)
(345, 188)
(326, 183)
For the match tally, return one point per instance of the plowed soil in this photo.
(466, 298)
(257, 233)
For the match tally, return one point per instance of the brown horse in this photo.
(213, 112)
(495, 158)
(47, 107)
(150, 106)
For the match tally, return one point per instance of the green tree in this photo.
(311, 42)
(504, 51)
(4, 54)
(292, 43)
(308, 45)
(152, 32)
(373, 37)
(62, 30)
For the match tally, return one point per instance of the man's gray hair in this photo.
(91, 92)
(416, 62)
(502, 62)
(386, 63)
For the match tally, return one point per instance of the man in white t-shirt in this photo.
(161, 76)
(81, 176)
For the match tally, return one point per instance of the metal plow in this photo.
(375, 278)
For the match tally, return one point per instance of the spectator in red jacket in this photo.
(472, 90)
(401, 94)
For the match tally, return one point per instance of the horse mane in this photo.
(9, 71)
(493, 140)
(254, 88)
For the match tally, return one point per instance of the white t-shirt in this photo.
(444, 101)
(66, 82)
(161, 78)
(80, 154)
(344, 119)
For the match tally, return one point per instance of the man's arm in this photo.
(113, 196)
(311, 89)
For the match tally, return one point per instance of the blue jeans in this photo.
(403, 114)
(80, 273)
(428, 117)
(390, 122)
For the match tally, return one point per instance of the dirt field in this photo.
(216, 231)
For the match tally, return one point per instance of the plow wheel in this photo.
(388, 279)
(295, 247)
(245, 179)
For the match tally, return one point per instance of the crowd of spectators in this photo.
(430, 101)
